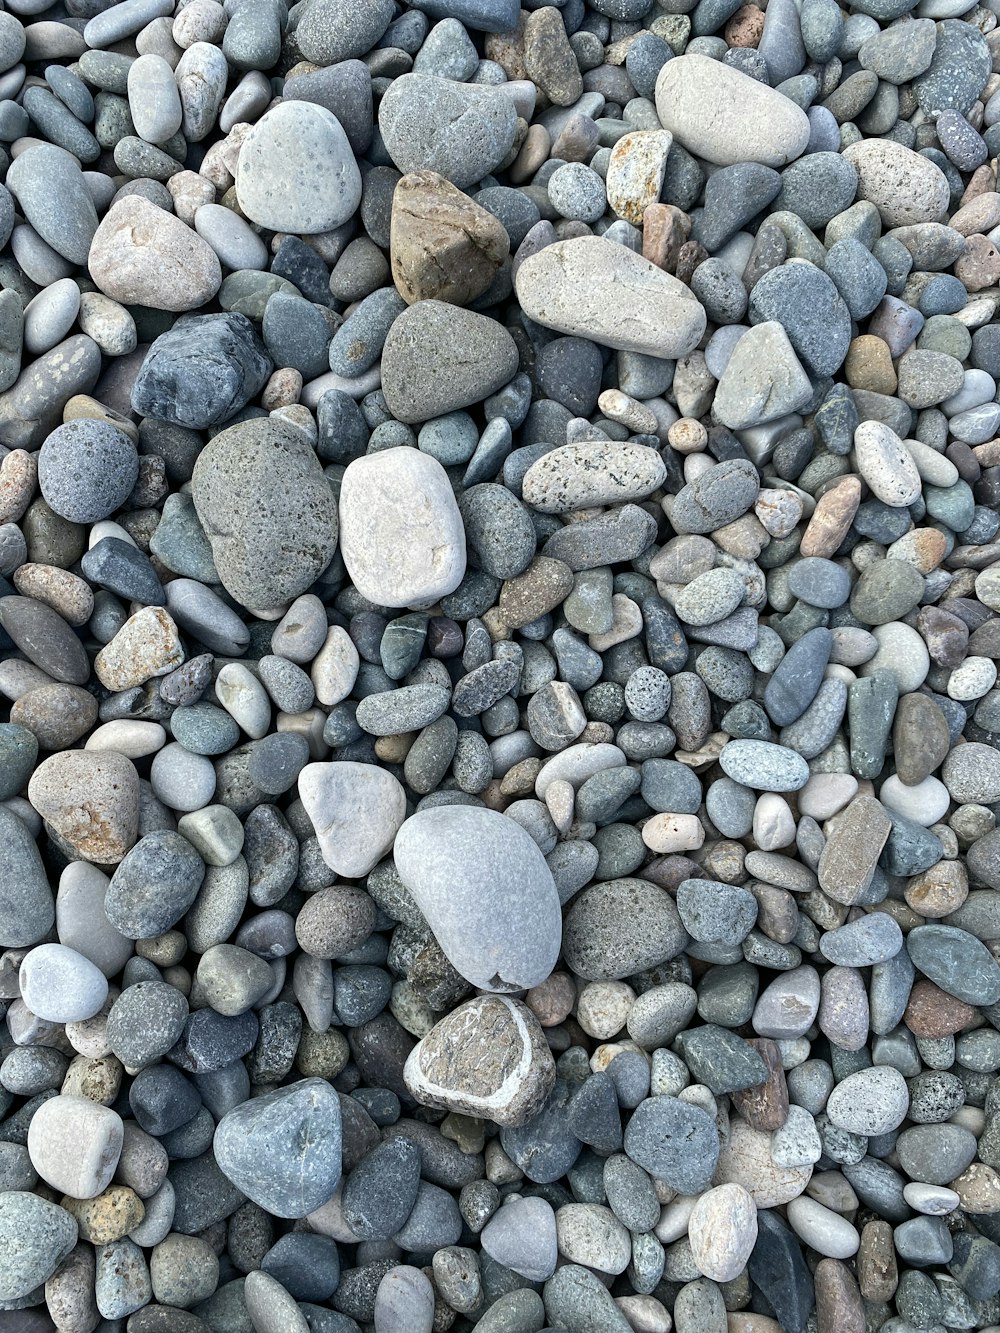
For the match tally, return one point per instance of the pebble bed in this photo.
(500, 733)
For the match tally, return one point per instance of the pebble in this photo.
(456, 861)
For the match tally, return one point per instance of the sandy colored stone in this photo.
(832, 518)
(869, 365)
(938, 891)
(597, 289)
(142, 255)
(488, 1057)
(549, 59)
(107, 1218)
(905, 187)
(65, 592)
(979, 266)
(745, 27)
(724, 116)
(147, 645)
(91, 799)
(442, 245)
(635, 172)
(855, 839)
(745, 1159)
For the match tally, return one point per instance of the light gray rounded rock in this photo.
(486, 892)
(297, 172)
(464, 131)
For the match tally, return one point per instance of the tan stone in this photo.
(832, 518)
(147, 645)
(938, 891)
(58, 588)
(745, 27)
(745, 1159)
(869, 365)
(549, 60)
(979, 267)
(107, 1218)
(839, 1308)
(144, 255)
(91, 799)
(878, 1275)
(442, 245)
(635, 172)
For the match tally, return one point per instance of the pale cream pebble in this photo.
(645, 1314)
(825, 794)
(559, 801)
(618, 406)
(773, 822)
(133, 738)
(335, 667)
(200, 21)
(626, 623)
(687, 436)
(214, 168)
(283, 389)
(666, 833)
(232, 144)
(722, 1230)
(779, 509)
(189, 191)
(674, 1218)
(602, 1008)
(607, 1051)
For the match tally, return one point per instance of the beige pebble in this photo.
(666, 833)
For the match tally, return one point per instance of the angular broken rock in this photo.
(147, 645)
(443, 246)
(91, 799)
(855, 839)
(488, 1057)
(636, 169)
(597, 289)
(762, 381)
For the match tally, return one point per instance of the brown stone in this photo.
(832, 518)
(839, 1307)
(982, 181)
(549, 59)
(745, 27)
(543, 586)
(58, 588)
(920, 738)
(932, 1012)
(777, 912)
(877, 1272)
(765, 1107)
(443, 246)
(945, 635)
(855, 839)
(18, 479)
(553, 1000)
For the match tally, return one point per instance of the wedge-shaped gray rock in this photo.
(439, 358)
(486, 893)
(27, 909)
(597, 289)
(355, 810)
(462, 130)
(283, 1150)
(35, 1237)
(488, 1057)
(724, 116)
(268, 511)
(763, 380)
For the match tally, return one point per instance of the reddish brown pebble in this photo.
(839, 1308)
(931, 1012)
(831, 518)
